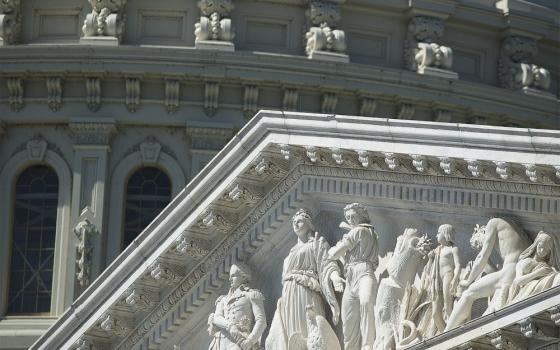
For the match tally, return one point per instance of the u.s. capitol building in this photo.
(280, 174)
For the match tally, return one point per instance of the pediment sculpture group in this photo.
(418, 292)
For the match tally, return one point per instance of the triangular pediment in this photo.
(160, 290)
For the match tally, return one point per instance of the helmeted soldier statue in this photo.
(239, 320)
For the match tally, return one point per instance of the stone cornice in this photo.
(348, 79)
(283, 136)
(88, 131)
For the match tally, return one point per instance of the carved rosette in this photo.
(10, 22)
(107, 19)
(214, 23)
(515, 70)
(422, 48)
(322, 35)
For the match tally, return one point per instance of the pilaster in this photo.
(91, 154)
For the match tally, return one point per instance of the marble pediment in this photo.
(159, 292)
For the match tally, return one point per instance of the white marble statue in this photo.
(308, 278)
(536, 270)
(359, 251)
(509, 242)
(446, 276)
(239, 320)
(410, 250)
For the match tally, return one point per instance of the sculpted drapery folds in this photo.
(359, 251)
(309, 278)
(239, 320)
(537, 269)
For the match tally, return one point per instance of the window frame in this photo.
(62, 285)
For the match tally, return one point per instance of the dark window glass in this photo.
(148, 191)
(33, 236)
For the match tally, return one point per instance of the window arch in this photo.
(148, 191)
(33, 241)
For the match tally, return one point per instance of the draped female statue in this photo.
(536, 270)
(308, 278)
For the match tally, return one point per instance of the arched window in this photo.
(33, 238)
(148, 191)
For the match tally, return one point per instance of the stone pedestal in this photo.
(215, 45)
(437, 72)
(99, 40)
(328, 56)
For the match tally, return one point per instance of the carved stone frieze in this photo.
(132, 94)
(406, 111)
(515, 68)
(92, 132)
(502, 341)
(555, 315)
(447, 165)
(10, 22)
(217, 220)
(172, 91)
(247, 194)
(250, 100)
(54, 93)
(290, 100)
(337, 155)
(113, 325)
(474, 167)
(391, 160)
(211, 94)
(368, 105)
(311, 153)
(84, 231)
(419, 162)
(15, 93)
(324, 16)
(284, 150)
(328, 103)
(137, 299)
(93, 93)
(107, 19)
(189, 247)
(84, 344)
(503, 170)
(214, 23)
(363, 158)
(163, 272)
(423, 53)
(266, 166)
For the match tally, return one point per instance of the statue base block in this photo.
(440, 73)
(99, 40)
(328, 56)
(215, 45)
(538, 93)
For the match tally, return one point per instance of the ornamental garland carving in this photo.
(214, 24)
(421, 47)
(10, 22)
(84, 231)
(107, 19)
(515, 70)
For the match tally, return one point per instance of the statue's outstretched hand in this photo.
(338, 282)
